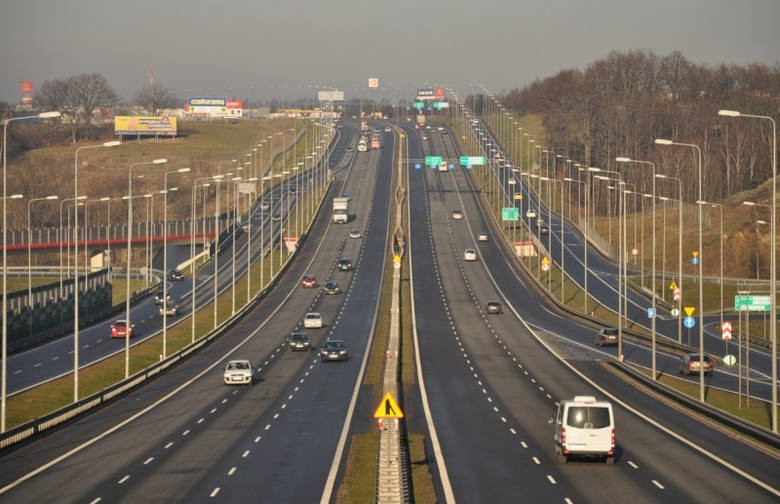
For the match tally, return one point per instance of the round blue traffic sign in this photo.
(689, 322)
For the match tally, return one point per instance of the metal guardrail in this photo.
(393, 485)
(732, 421)
(34, 427)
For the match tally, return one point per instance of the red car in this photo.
(309, 282)
(118, 329)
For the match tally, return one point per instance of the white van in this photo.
(584, 427)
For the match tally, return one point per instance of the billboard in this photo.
(145, 125)
(438, 93)
(373, 82)
(331, 95)
(426, 94)
(208, 105)
(26, 86)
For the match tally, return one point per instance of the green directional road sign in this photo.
(510, 214)
(472, 160)
(433, 160)
(419, 105)
(743, 302)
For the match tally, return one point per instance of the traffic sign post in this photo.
(545, 264)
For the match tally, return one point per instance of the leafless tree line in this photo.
(619, 105)
(79, 97)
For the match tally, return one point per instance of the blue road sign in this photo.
(417, 166)
(650, 313)
(689, 322)
(695, 261)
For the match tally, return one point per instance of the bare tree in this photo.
(76, 98)
(155, 97)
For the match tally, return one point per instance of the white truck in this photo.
(340, 210)
(362, 146)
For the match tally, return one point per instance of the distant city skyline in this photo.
(276, 49)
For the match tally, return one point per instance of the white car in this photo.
(457, 215)
(238, 372)
(312, 320)
(469, 255)
(355, 233)
(530, 213)
(482, 237)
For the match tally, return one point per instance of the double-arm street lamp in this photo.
(772, 256)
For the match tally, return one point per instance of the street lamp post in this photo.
(772, 257)
(4, 356)
(128, 324)
(679, 248)
(76, 266)
(655, 295)
(621, 259)
(29, 252)
(165, 258)
(662, 141)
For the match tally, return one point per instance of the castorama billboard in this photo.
(207, 105)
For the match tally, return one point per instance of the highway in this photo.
(192, 437)
(32, 367)
(602, 281)
(492, 384)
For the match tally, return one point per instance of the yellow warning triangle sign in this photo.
(689, 310)
(672, 285)
(545, 260)
(388, 408)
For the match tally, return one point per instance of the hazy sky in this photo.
(285, 48)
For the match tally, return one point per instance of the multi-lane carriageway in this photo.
(488, 384)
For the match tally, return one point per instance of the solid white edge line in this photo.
(330, 482)
(449, 497)
(636, 412)
(149, 408)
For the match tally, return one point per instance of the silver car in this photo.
(312, 320)
(238, 372)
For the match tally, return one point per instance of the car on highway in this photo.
(483, 237)
(493, 307)
(607, 336)
(118, 329)
(312, 320)
(334, 350)
(238, 372)
(584, 427)
(159, 297)
(344, 264)
(425, 137)
(543, 230)
(469, 255)
(530, 213)
(309, 282)
(264, 205)
(387, 129)
(690, 364)
(168, 309)
(276, 217)
(355, 233)
(293, 189)
(457, 215)
(331, 287)
(539, 222)
(299, 341)
(346, 195)
(175, 274)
